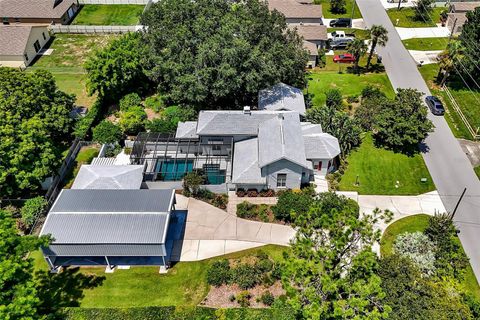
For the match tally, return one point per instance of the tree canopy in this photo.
(107, 132)
(215, 54)
(34, 123)
(470, 38)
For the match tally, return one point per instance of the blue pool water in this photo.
(170, 171)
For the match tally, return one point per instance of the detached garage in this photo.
(109, 227)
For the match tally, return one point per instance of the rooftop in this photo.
(53, 9)
(310, 47)
(16, 36)
(109, 177)
(464, 6)
(281, 97)
(311, 32)
(295, 9)
(245, 163)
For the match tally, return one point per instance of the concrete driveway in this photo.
(425, 57)
(433, 32)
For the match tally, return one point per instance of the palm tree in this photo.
(448, 59)
(379, 37)
(357, 48)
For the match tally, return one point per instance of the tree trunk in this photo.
(370, 55)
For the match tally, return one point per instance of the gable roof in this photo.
(34, 8)
(109, 177)
(281, 97)
(310, 47)
(321, 146)
(16, 36)
(464, 6)
(311, 32)
(280, 138)
(245, 163)
(310, 128)
(294, 9)
(187, 129)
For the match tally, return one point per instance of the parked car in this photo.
(341, 22)
(344, 58)
(339, 39)
(435, 105)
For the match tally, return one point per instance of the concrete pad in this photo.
(406, 205)
(109, 270)
(197, 232)
(425, 57)
(227, 229)
(431, 203)
(186, 250)
(210, 248)
(247, 230)
(235, 245)
(182, 202)
(432, 32)
(349, 194)
(264, 234)
(282, 235)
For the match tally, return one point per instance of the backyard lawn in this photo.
(378, 171)
(467, 101)
(419, 223)
(184, 285)
(66, 62)
(406, 18)
(109, 15)
(426, 44)
(85, 156)
(348, 14)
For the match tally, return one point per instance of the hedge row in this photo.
(83, 125)
(175, 313)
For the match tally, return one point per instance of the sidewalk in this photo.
(432, 32)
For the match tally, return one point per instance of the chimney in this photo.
(246, 110)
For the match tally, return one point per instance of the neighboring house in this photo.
(21, 44)
(313, 33)
(38, 11)
(297, 11)
(266, 149)
(109, 177)
(456, 17)
(312, 53)
(109, 227)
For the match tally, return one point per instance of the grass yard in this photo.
(477, 171)
(109, 15)
(464, 97)
(350, 85)
(419, 223)
(184, 285)
(426, 44)
(70, 52)
(379, 169)
(349, 5)
(85, 156)
(406, 17)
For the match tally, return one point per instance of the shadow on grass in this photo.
(409, 150)
(64, 289)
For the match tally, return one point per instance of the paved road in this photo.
(450, 169)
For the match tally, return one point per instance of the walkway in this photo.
(448, 165)
(432, 32)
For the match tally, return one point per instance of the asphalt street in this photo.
(448, 165)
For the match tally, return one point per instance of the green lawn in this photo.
(66, 62)
(378, 171)
(348, 14)
(425, 44)
(419, 223)
(184, 285)
(406, 18)
(350, 85)
(464, 97)
(109, 15)
(85, 156)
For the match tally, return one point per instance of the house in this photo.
(21, 44)
(109, 227)
(312, 50)
(268, 148)
(109, 177)
(297, 11)
(313, 33)
(457, 17)
(38, 11)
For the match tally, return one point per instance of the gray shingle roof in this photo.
(281, 138)
(228, 123)
(310, 47)
(14, 39)
(294, 9)
(245, 163)
(321, 146)
(109, 177)
(187, 129)
(311, 32)
(34, 8)
(281, 97)
(113, 201)
(464, 6)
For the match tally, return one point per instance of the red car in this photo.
(344, 58)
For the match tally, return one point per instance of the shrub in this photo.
(243, 299)
(31, 209)
(129, 101)
(132, 121)
(264, 265)
(252, 193)
(204, 194)
(289, 202)
(107, 132)
(219, 273)
(334, 98)
(276, 272)
(192, 182)
(240, 193)
(155, 103)
(246, 210)
(262, 212)
(267, 298)
(419, 248)
(220, 201)
(245, 276)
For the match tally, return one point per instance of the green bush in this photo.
(107, 132)
(219, 273)
(289, 202)
(133, 120)
(245, 276)
(246, 210)
(243, 299)
(129, 101)
(264, 265)
(334, 98)
(267, 298)
(82, 126)
(31, 209)
(155, 103)
(220, 201)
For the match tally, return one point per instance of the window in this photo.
(43, 34)
(281, 180)
(215, 140)
(5, 20)
(36, 45)
(216, 147)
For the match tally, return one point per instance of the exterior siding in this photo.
(12, 61)
(292, 170)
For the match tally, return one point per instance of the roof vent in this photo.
(280, 116)
(246, 110)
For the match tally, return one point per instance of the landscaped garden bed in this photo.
(256, 212)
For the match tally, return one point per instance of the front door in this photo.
(318, 166)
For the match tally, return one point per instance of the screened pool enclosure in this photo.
(168, 158)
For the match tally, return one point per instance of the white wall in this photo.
(292, 170)
(36, 34)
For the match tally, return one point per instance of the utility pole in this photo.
(458, 203)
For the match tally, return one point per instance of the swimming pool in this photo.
(170, 170)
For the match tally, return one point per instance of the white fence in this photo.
(92, 29)
(142, 2)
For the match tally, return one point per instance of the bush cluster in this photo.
(254, 193)
(247, 210)
(290, 201)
